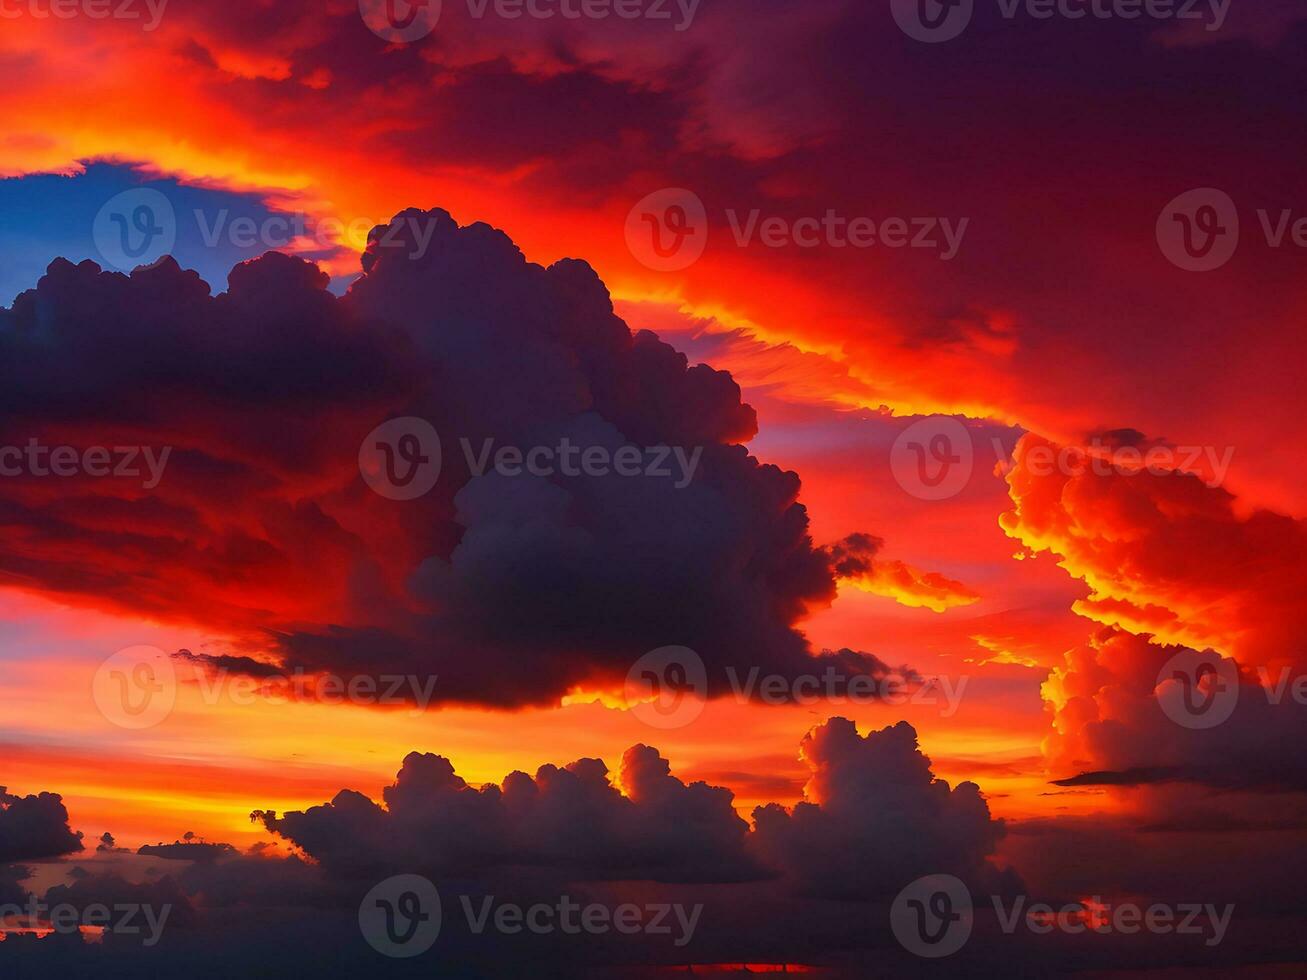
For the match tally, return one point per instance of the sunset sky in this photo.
(972, 414)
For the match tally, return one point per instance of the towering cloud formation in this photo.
(1166, 554)
(571, 820)
(1111, 728)
(875, 817)
(1186, 576)
(513, 587)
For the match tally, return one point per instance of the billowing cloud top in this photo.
(511, 587)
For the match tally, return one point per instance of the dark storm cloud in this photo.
(572, 820)
(511, 589)
(34, 827)
(876, 817)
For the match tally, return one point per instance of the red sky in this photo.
(1050, 149)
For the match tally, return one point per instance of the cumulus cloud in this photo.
(854, 560)
(1110, 727)
(875, 817)
(573, 820)
(262, 526)
(34, 828)
(1166, 554)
